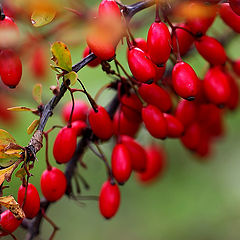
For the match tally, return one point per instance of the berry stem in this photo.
(157, 17)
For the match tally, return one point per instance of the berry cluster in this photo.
(163, 95)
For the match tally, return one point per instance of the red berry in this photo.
(185, 39)
(131, 107)
(235, 5)
(191, 136)
(79, 126)
(10, 68)
(154, 121)
(31, 205)
(159, 72)
(121, 163)
(185, 80)
(141, 43)
(211, 50)
(124, 126)
(236, 67)
(79, 113)
(156, 163)
(109, 8)
(109, 199)
(8, 222)
(159, 43)
(65, 145)
(137, 153)
(216, 86)
(174, 126)
(53, 184)
(233, 100)
(186, 112)
(93, 63)
(155, 95)
(140, 65)
(101, 123)
(230, 17)
(200, 24)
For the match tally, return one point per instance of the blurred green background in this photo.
(194, 199)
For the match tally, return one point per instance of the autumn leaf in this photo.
(10, 203)
(21, 109)
(72, 77)
(32, 126)
(37, 93)
(41, 17)
(61, 56)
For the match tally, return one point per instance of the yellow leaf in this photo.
(21, 109)
(33, 125)
(21, 173)
(5, 173)
(61, 56)
(72, 77)
(37, 93)
(6, 138)
(42, 17)
(10, 203)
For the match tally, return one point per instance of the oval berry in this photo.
(140, 43)
(160, 70)
(159, 43)
(109, 8)
(184, 38)
(124, 126)
(211, 50)
(65, 145)
(235, 5)
(174, 126)
(236, 66)
(155, 95)
(79, 113)
(185, 80)
(31, 205)
(216, 86)
(10, 68)
(137, 153)
(154, 121)
(101, 123)
(93, 63)
(79, 126)
(141, 67)
(233, 100)
(121, 163)
(109, 199)
(156, 163)
(230, 17)
(8, 223)
(53, 184)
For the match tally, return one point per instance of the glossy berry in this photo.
(31, 205)
(185, 39)
(233, 100)
(185, 81)
(174, 127)
(140, 65)
(216, 86)
(124, 126)
(140, 43)
(101, 123)
(131, 107)
(8, 223)
(156, 163)
(212, 50)
(65, 145)
(121, 163)
(235, 5)
(137, 153)
(160, 70)
(93, 63)
(154, 121)
(53, 184)
(159, 43)
(109, 8)
(79, 113)
(109, 199)
(155, 95)
(10, 68)
(230, 17)
(236, 66)
(186, 112)
(191, 137)
(79, 126)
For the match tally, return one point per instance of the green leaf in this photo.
(42, 17)
(72, 76)
(5, 138)
(32, 126)
(61, 56)
(37, 93)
